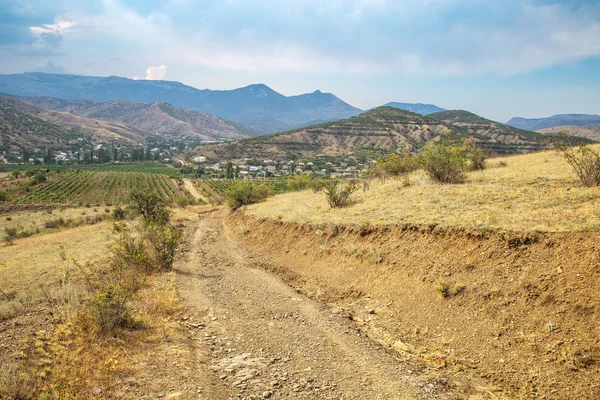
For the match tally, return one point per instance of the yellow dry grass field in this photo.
(534, 192)
(36, 219)
(43, 259)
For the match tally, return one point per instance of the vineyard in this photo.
(87, 187)
(146, 167)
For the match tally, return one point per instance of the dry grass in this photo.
(32, 220)
(535, 192)
(39, 259)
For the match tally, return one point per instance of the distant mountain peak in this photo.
(535, 124)
(419, 108)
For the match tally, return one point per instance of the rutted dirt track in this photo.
(252, 336)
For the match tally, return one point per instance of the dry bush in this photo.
(338, 193)
(476, 157)
(584, 161)
(16, 382)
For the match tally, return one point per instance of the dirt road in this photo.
(252, 336)
(189, 185)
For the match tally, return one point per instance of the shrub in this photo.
(3, 196)
(16, 174)
(395, 164)
(118, 214)
(163, 241)
(245, 193)
(10, 235)
(475, 156)
(109, 310)
(584, 161)
(151, 207)
(338, 193)
(37, 179)
(444, 163)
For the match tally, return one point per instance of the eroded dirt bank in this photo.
(521, 309)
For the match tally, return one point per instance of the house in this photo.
(199, 159)
(44, 170)
(271, 169)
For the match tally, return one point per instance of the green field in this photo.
(277, 185)
(146, 167)
(89, 187)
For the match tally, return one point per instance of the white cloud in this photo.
(366, 37)
(154, 73)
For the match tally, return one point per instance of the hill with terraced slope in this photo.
(376, 132)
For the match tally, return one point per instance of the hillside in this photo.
(535, 124)
(43, 126)
(502, 139)
(591, 132)
(375, 132)
(419, 108)
(258, 107)
(157, 117)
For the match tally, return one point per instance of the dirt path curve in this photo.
(189, 185)
(255, 337)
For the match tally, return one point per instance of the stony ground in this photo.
(249, 335)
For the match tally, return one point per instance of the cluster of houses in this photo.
(270, 168)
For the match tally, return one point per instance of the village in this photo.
(252, 168)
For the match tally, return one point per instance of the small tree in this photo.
(151, 207)
(444, 163)
(584, 161)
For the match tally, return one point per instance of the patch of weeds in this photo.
(447, 289)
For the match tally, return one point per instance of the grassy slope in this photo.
(534, 192)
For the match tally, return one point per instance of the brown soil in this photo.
(521, 310)
(250, 335)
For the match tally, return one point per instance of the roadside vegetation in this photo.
(538, 191)
(102, 308)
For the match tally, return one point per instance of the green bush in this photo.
(3, 196)
(245, 193)
(151, 207)
(444, 163)
(395, 164)
(476, 157)
(37, 179)
(338, 193)
(118, 214)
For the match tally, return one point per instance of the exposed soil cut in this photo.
(519, 310)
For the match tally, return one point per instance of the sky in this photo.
(497, 58)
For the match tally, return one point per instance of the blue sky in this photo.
(498, 58)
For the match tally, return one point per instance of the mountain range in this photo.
(259, 108)
(26, 125)
(534, 124)
(154, 118)
(375, 132)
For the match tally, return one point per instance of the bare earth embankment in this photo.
(495, 279)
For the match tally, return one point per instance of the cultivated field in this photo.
(107, 188)
(534, 192)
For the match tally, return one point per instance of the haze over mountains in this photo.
(419, 108)
(158, 117)
(259, 108)
(534, 124)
